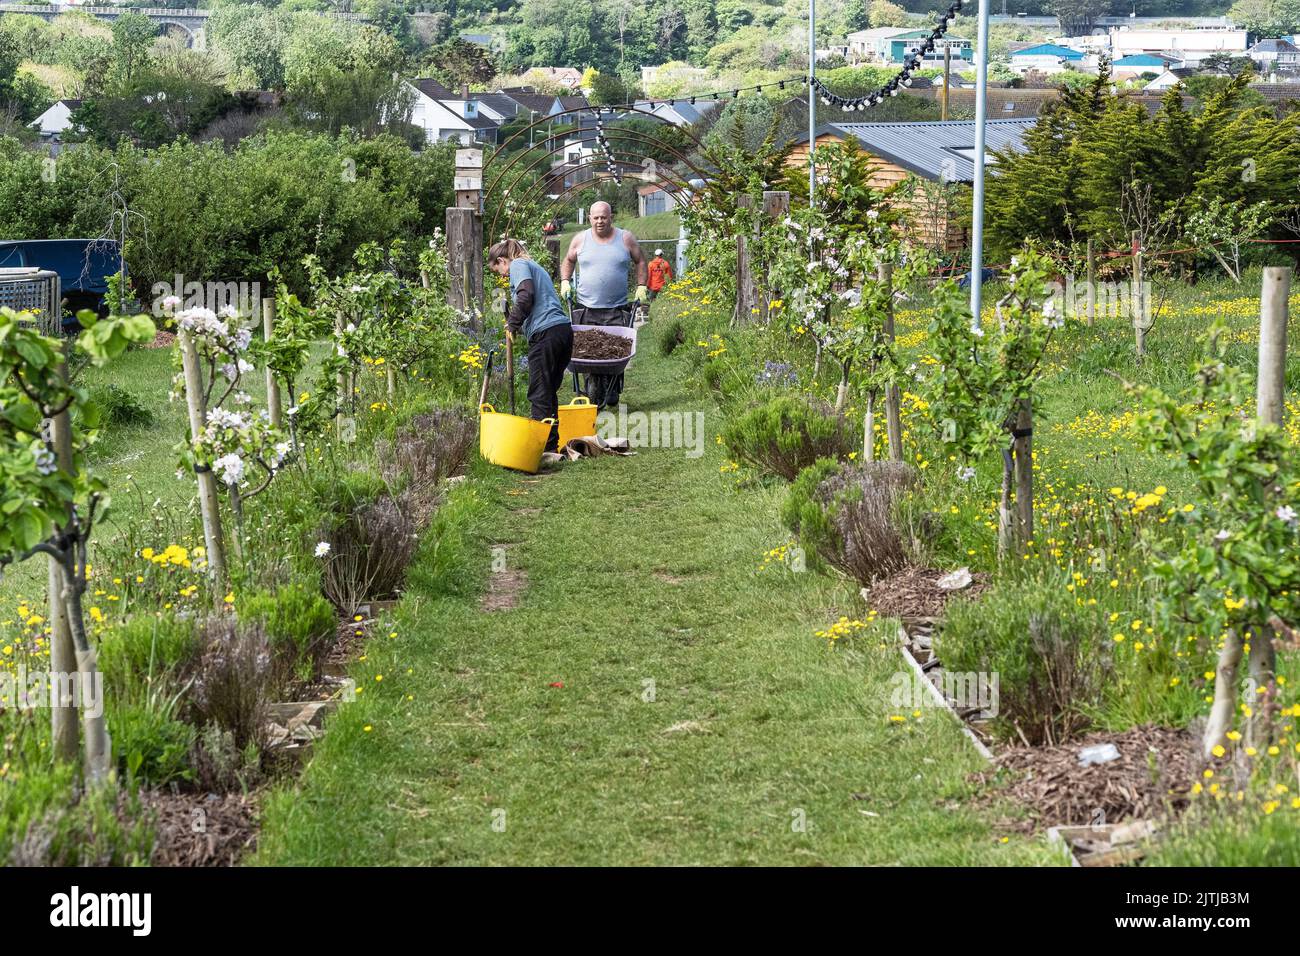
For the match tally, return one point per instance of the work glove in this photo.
(641, 293)
(566, 290)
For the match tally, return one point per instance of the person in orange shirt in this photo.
(661, 273)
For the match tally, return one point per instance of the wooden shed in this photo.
(940, 156)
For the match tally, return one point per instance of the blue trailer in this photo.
(83, 265)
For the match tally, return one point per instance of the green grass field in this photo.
(699, 720)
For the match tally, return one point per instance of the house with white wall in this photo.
(1189, 46)
(445, 115)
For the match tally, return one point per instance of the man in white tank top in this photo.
(603, 257)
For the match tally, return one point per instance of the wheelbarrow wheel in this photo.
(604, 390)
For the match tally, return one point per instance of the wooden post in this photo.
(947, 68)
(272, 386)
(1135, 300)
(1092, 286)
(553, 250)
(207, 482)
(746, 296)
(893, 396)
(776, 206)
(1024, 453)
(465, 262)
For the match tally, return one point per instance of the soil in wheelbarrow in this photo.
(590, 344)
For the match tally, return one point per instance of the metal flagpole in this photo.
(981, 114)
(812, 99)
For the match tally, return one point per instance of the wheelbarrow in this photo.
(605, 367)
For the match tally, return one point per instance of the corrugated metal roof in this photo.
(933, 149)
(1049, 49)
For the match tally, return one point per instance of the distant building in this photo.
(566, 77)
(656, 197)
(678, 112)
(1139, 63)
(933, 152)
(1022, 103)
(1050, 58)
(55, 121)
(1276, 54)
(445, 115)
(674, 72)
(889, 45)
(1169, 78)
(1186, 46)
(872, 45)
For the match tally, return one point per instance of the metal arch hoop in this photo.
(528, 194)
(704, 150)
(579, 187)
(631, 135)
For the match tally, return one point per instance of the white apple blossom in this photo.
(230, 468)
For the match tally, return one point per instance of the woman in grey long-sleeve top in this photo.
(538, 314)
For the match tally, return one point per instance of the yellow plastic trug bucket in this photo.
(577, 419)
(512, 441)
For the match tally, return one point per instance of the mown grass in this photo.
(638, 570)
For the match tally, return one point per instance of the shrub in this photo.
(1047, 652)
(432, 447)
(147, 650)
(299, 624)
(40, 826)
(370, 548)
(672, 335)
(846, 515)
(151, 746)
(785, 435)
(232, 682)
(220, 765)
(120, 407)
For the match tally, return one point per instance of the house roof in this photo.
(1049, 49)
(433, 89)
(566, 75)
(541, 102)
(1277, 92)
(1144, 59)
(877, 33)
(498, 103)
(1274, 45)
(927, 149)
(688, 112)
(1025, 102)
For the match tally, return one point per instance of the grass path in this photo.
(637, 570)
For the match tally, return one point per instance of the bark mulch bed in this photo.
(1154, 774)
(590, 344)
(201, 829)
(163, 340)
(913, 594)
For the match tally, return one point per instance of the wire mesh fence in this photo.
(34, 291)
